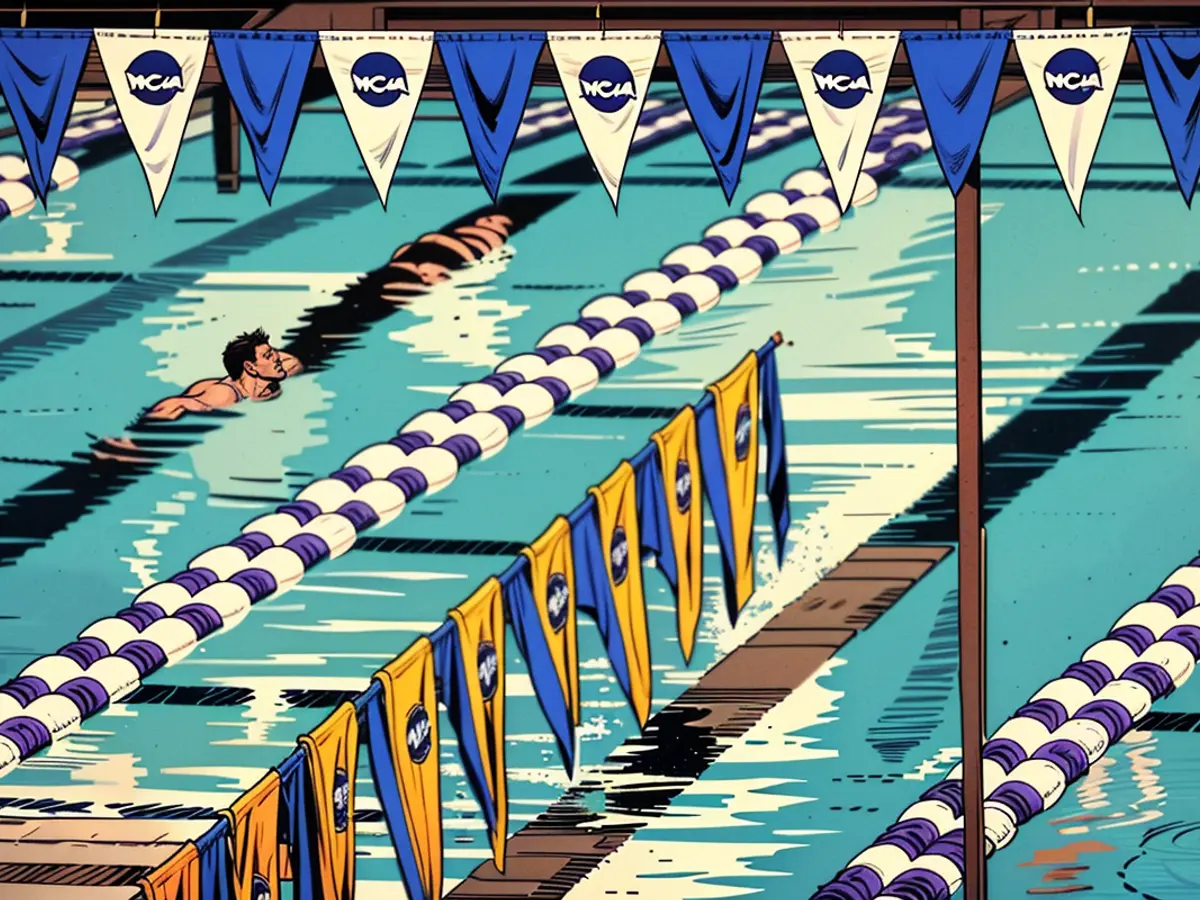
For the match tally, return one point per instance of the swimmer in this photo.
(431, 258)
(255, 369)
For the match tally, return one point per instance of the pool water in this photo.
(867, 378)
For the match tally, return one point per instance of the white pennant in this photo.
(842, 79)
(1073, 77)
(605, 75)
(154, 76)
(378, 76)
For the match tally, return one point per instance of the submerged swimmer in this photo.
(431, 258)
(254, 369)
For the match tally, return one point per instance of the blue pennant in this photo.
(39, 73)
(265, 72)
(720, 75)
(491, 75)
(956, 74)
(1171, 67)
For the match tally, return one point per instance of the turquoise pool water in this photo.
(868, 398)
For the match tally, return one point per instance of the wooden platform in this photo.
(557, 850)
(86, 858)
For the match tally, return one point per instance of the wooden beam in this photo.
(227, 143)
(968, 387)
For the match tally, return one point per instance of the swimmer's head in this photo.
(252, 354)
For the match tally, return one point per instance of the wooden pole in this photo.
(227, 142)
(971, 611)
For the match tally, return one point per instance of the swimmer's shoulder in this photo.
(214, 392)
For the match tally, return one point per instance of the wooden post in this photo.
(227, 142)
(971, 610)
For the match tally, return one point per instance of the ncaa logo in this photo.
(379, 80)
(489, 669)
(842, 79)
(557, 597)
(683, 486)
(618, 555)
(154, 78)
(418, 735)
(1072, 76)
(259, 888)
(606, 84)
(341, 800)
(741, 438)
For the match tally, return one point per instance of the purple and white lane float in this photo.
(112, 656)
(16, 189)
(1050, 742)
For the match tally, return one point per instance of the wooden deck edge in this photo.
(561, 847)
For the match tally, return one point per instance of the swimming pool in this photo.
(868, 384)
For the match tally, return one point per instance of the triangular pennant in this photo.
(154, 76)
(720, 75)
(1171, 69)
(378, 76)
(491, 76)
(605, 75)
(265, 72)
(1073, 78)
(842, 79)
(956, 74)
(39, 73)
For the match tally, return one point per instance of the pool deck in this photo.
(558, 849)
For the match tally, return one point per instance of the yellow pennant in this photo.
(480, 624)
(331, 752)
(736, 397)
(552, 577)
(616, 508)
(410, 702)
(679, 458)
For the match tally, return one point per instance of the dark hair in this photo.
(241, 350)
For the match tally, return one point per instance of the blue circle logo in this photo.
(260, 889)
(618, 555)
(379, 80)
(558, 596)
(489, 669)
(741, 439)
(418, 734)
(683, 486)
(341, 800)
(842, 79)
(606, 83)
(154, 78)
(1072, 76)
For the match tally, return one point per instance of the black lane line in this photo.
(1062, 416)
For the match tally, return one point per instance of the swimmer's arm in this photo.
(203, 396)
(291, 365)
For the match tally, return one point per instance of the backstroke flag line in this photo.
(265, 72)
(39, 74)
(378, 76)
(154, 76)
(402, 733)
(956, 74)
(1073, 78)
(605, 76)
(842, 80)
(1171, 68)
(491, 75)
(254, 823)
(720, 75)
